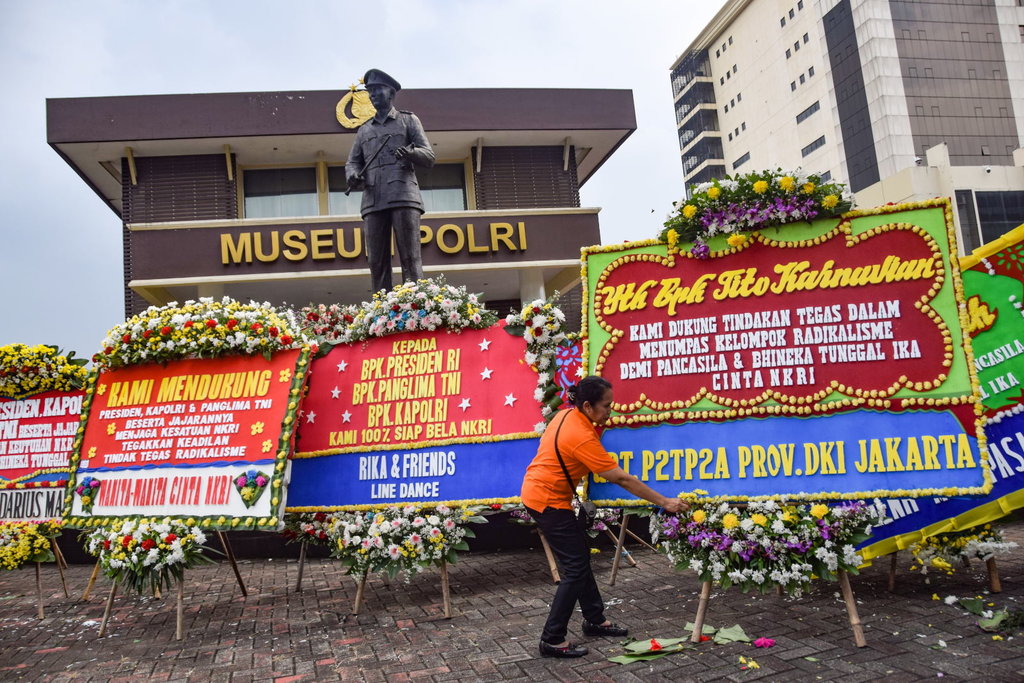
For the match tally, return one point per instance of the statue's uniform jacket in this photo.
(390, 182)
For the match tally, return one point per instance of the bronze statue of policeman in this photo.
(384, 154)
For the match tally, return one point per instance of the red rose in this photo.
(188, 323)
(285, 339)
(273, 331)
(170, 538)
(146, 334)
(348, 318)
(148, 544)
(312, 316)
(166, 330)
(396, 308)
(109, 350)
(126, 338)
(126, 540)
(256, 327)
(495, 506)
(232, 324)
(106, 545)
(211, 323)
(323, 536)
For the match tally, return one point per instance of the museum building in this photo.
(244, 194)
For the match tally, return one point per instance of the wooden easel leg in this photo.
(231, 558)
(993, 576)
(892, 570)
(359, 594)
(302, 565)
(445, 591)
(180, 625)
(552, 565)
(59, 558)
(641, 541)
(851, 609)
(702, 611)
(619, 552)
(39, 591)
(156, 591)
(92, 580)
(106, 610)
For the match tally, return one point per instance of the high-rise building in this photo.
(858, 90)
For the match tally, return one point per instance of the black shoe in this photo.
(549, 650)
(599, 630)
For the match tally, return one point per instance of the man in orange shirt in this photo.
(569, 449)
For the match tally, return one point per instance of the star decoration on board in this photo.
(484, 344)
(486, 374)
(311, 417)
(510, 400)
(335, 392)
(464, 404)
(346, 416)
(342, 365)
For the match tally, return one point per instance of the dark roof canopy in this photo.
(277, 128)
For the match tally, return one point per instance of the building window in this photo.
(734, 68)
(443, 187)
(739, 97)
(826, 176)
(280, 192)
(810, 71)
(726, 109)
(792, 13)
(789, 53)
(721, 81)
(732, 103)
(985, 151)
(730, 40)
(802, 116)
(782, 21)
(796, 46)
(718, 53)
(742, 160)
(802, 79)
(730, 137)
(792, 85)
(806, 38)
(820, 142)
(737, 132)
(743, 126)
(800, 5)
(723, 47)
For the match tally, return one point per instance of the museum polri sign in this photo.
(819, 359)
(205, 440)
(36, 437)
(426, 417)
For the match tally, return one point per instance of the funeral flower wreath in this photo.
(766, 543)
(206, 328)
(739, 203)
(141, 555)
(26, 370)
(23, 542)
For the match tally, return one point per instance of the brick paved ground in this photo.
(500, 601)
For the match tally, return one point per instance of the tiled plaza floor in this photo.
(500, 600)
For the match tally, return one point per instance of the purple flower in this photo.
(261, 481)
(700, 250)
(241, 480)
(95, 483)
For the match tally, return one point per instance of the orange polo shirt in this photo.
(544, 484)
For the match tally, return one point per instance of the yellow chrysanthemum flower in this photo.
(736, 240)
(714, 192)
(761, 186)
(699, 516)
(689, 211)
(808, 188)
(787, 183)
(830, 201)
(819, 510)
(730, 521)
(759, 519)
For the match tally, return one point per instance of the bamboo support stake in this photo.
(620, 546)
(552, 565)
(302, 565)
(58, 558)
(892, 571)
(156, 591)
(993, 576)
(61, 560)
(39, 591)
(702, 611)
(641, 541)
(180, 621)
(92, 580)
(359, 594)
(446, 595)
(231, 558)
(851, 609)
(106, 610)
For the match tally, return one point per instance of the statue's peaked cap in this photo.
(378, 77)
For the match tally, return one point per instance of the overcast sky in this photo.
(60, 261)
